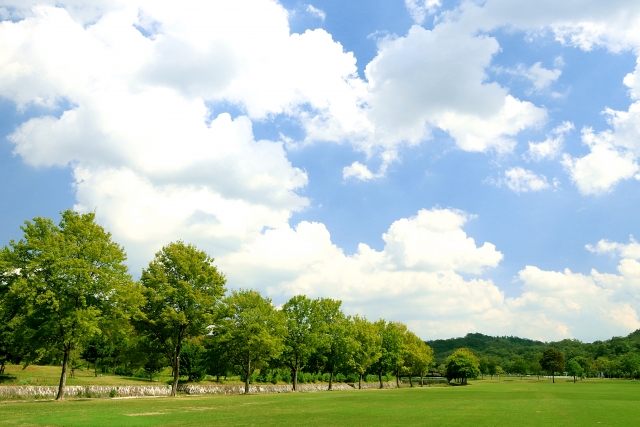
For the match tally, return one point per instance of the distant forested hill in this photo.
(618, 354)
(485, 345)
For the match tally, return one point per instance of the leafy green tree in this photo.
(97, 349)
(574, 369)
(552, 361)
(535, 368)
(519, 367)
(483, 365)
(368, 346)
(338, 334)
(418, 356)
(303, 334)
(216, 360)
(7, 347)
(182, 289)
(492, 365)
(392, 348)
(462, 365)
(64, 282)
(192, 363)
(148, 355)
(250, 331)
(630, 362)
(604, 365)
(588, 365)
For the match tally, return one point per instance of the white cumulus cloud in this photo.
(522, 181)
(551, 147)
(318, 13)
(419, 9)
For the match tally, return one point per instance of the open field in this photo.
(483, 403)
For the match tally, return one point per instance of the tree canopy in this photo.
(250, 331)
(552, 361)
(182, 289)
(462, 365)
(63, 280)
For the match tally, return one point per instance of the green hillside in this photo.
(613, 357)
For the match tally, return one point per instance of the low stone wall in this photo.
(266, 388)
(81, 391)
(158, 390)
(389, 384)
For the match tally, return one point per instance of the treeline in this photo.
(66, 297)
(618, 357)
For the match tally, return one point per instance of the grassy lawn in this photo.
(482, 403)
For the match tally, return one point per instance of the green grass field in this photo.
(482, 403)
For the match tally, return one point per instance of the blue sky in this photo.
(458, 166)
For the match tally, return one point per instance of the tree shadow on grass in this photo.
(5, 378)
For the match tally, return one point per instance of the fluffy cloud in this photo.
(419, 9)
(415, 277)
(566, 304)
(318, 13)
(411, 90)
(522, 181)
(418, 278)
(604, 166)
(359, 171)
(613, 153)
(551, 147)
(630, 250)
(145, 150)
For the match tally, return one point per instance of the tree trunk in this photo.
(421, 379)
(331, 380)
(574, 379)
(2, 368)
(380, 378)
(248, 374)
(397, 377)
(553, 377)
(360, 382)
(176, 371)
(63, 376)
(95, 368)
(295, 379)
(411, 380)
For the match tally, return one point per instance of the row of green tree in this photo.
(65, 293)
(618, 357)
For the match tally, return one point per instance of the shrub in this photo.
(340, 378)
(352, 378)
(371, 378)
(113, 393)
(286, 376)
(192, 362)
(123, 370)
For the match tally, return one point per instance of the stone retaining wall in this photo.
(81, 391)
(389, 384)
(158, 390)
(266, 388)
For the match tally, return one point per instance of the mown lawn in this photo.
(482, 403)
